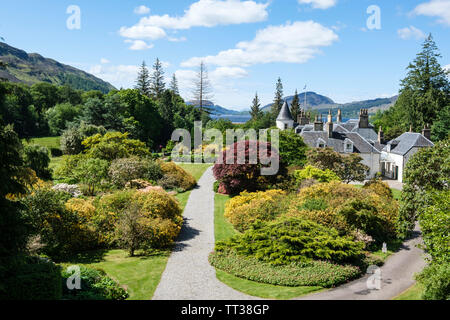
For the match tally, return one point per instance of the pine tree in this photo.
(157, 85)
(295, 106)
(143, 80)
(202, 89)
(174, 85)
(425, 91)
(278, 101)
(256, 111)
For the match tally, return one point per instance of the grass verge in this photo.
(139, 275)
(263, 290)
(413, 293)
(196, 170)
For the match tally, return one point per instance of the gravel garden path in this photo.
(397, 275)
(188, 274)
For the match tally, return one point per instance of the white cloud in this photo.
(142, 10)
(319, 4)
(142, 32)
(411, 32)
(228, 72)
(447, 68)
(210, 13)
(174, 39)
(139, 45)
(104, 61)
(295, 42)
(435, 8)
(118, 75)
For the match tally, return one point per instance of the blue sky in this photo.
(247, 45)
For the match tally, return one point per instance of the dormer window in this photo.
(321, 143)
(348, 146)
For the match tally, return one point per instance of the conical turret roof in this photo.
(285, 113)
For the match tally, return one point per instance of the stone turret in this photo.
(285, 120)
(364, 118)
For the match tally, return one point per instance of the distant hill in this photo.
(312, 100)
(215, 109)
(31, 68)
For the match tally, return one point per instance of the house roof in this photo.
(403, 144)
(337, 142)
(285, 113)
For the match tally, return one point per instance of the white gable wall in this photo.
(372, 160)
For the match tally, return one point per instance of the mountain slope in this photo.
(214, 109)
(32, 68)
(312, 100)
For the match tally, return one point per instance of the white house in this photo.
(397, 152)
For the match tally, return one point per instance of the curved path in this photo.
(397, 275)
(188, 274)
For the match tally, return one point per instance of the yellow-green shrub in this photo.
(343, 205)
(244, 210)
(161, 215)
(380, 188)
(176, 177)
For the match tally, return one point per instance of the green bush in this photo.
(285, 241)
(55, 152)
(311, 172)
(363, 216)
(95, 285)
(436, 281)
(435, 222)
(312, 273)
(37, 158)
(29, 278)
(216, 186)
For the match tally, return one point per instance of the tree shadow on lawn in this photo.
(88, 257)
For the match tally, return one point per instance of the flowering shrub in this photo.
(244, 210)
(235, 178)
(347, 209)
(380, 188)
(176, 177)
(71, 189)
(123, 171)
(146, 220)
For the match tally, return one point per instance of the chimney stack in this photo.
(364, 118)
(339, 116)
(330, 125)
(302, 118)
(318, 123)
(426, 132)
(380, 136)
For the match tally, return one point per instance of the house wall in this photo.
(372, 160)
(398, 161)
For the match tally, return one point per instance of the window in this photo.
(286, 126)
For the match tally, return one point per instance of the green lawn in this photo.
(263, 290)
(197, 170)
(224, 230)
(48, 142)
(413, 293)
(140, 275)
